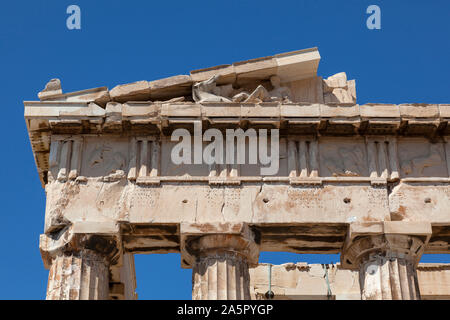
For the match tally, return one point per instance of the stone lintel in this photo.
(389, 227)
(50, 109)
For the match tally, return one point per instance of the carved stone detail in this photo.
(65, 158)
(52, 88)
(79, 265)
(422, 159)
(220, 256)
(145, 164)
(260, 94)
(303, 156)
(388, 277)
(337, 89)
(105, 155)
(79, 275)
(387, 265)
(221, 277)
(382, 157)
(344, 160)
(105, 159)
(208, 91)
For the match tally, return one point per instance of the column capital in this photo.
(74, 239)
(392, 239)
(208, 239)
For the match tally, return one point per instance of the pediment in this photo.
(296, 72)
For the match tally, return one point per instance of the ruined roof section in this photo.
(290, 66)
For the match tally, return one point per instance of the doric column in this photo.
(386, 255)
(81, 275)
(387, 269)
(220, 256)
(219, 273)
(79, 265)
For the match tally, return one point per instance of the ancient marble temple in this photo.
(370, 182)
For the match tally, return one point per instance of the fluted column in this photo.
(387, 261)
(389, 278)
(220, 261)
(221, 277)
(79, 265)
(78, 276)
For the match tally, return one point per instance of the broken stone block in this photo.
(351, 84)
(339, 80)
(337, 89)
(113, 112)
(100, 96)
(226, 73)
(52, 88)
(169, 88)
(338, 95)
(135, 91)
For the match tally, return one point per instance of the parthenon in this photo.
(370, 182)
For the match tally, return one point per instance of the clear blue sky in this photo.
(125, 41)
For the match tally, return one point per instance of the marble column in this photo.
(79, 266)
(389, 277)
(79, 275)
(387, 266)
(220, 264)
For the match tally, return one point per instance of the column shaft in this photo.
(387, 258)
(388, 278)
(78, 276)
(220, 255)
(383, 278)
(221, 277)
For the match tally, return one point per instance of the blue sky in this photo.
(125, 41)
